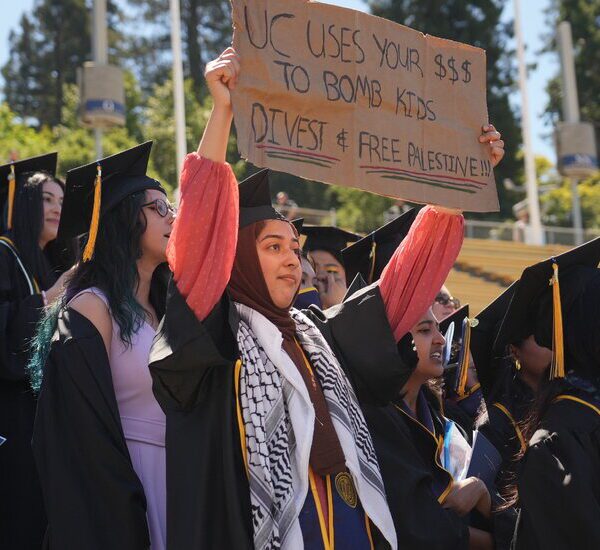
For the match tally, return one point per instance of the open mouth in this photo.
(436, 355)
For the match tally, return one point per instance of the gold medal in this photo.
(345, 488)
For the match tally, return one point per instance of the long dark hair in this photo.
(28, 222)
(113, 270)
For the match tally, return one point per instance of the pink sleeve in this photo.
(202, 245)
(419, 267)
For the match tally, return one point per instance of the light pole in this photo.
(100, 54)
(178, 91)
(570, 112)
(537, 232)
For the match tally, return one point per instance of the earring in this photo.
(414, 346)
(517, 364)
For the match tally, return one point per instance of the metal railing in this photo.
(508, 231)
(474, 229)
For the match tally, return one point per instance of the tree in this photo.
(160, 127)
(44, 55)
(206, 31)
(584, 16)
(475, 22)
(359, 210)
(557, 204)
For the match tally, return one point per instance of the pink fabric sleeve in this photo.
(419, 267)
(202, 244)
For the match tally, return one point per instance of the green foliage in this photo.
(557, 204)
(44, 55)
(361, 211)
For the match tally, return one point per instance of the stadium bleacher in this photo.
(484, 268)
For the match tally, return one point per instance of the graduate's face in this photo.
(444, 304)
(534, 359)
(278, 251)
(52, 199)
(326, 264)
(158, 228)
(308, 274)
(429, 342)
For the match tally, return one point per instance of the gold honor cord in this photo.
(557, 370)
(88, 251)
(464, 363)
(12, 187)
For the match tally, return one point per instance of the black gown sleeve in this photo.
(559, 491)
(19, 314)
(93, 498)
(192, 366)
(185, 351)
(361, 337)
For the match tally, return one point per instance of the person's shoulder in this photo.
(95, 310)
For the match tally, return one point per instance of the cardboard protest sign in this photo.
(339, 96)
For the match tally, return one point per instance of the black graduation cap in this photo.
(545, 293)
(371, 254)
(358, 283)
(255, 199)
(328, 238)
(298, 223)
(95, 188)
(459, 347)
(483, 335)
(13, 173)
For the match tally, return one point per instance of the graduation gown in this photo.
(192, 366)
(92, 494)
(360, 334)
(559, 480)
(22, 518)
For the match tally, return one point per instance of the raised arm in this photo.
(423, 260)
(202, 244)
(420, 266)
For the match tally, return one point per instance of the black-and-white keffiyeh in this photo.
(279, 419)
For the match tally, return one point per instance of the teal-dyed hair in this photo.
(113, 270)
(40, 345)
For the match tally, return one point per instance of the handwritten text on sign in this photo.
(342, 97)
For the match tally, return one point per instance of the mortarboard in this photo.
(298, 223)
(328, 238)
(371, 254)
(13, 173)
(460, 345)
(545, 292)
(95, 188)
(483, 335)
(255, 200)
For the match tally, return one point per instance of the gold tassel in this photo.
(464, 362)
(12, 187)
(557, 370)
(372, 257)
(88, 251)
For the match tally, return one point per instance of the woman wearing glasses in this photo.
(444, 304)
(99, 435)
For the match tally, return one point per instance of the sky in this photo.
(533, 26)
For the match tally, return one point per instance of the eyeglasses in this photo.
(444, 300)
(161, 206)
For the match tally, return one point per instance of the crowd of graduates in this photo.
(220, 377)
